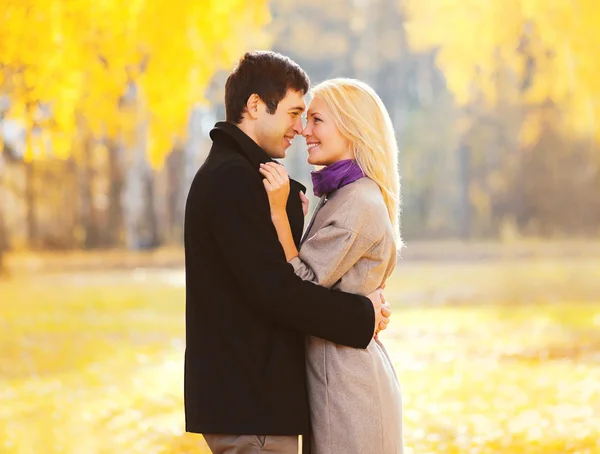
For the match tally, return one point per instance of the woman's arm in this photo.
(333, 250)
(277, 184)
(284, 233)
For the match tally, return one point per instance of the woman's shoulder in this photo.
(360, 197)
(369, 193)
(360, 207)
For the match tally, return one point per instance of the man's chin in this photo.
(281, 154)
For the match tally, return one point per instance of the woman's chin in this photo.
(314, 162)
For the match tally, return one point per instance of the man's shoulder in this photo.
(225, 174)
(223, 163)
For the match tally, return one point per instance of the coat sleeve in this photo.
(242, 228)
(326, 256)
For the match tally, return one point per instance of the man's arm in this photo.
(242, 228)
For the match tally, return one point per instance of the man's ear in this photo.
(252, 105)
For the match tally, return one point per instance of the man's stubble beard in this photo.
(272, 146)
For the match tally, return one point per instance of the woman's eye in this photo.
(316, 119)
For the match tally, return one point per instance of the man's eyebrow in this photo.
(300, 108)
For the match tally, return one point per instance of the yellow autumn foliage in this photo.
(478, 38)
(76, 60)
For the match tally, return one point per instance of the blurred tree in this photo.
(522, 70)
(83, 74)
(3, 233)
(81, 57)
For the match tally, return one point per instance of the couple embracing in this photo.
(282, 322)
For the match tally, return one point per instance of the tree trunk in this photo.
(30, 200)
(175, 193)
(464, 159)
(114, 235)
(149, 219)
(3, 242)
(88, 214)
(3, 239)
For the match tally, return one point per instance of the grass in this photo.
(493, 379)
(501, 356)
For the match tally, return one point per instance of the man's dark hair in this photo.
(268, 74)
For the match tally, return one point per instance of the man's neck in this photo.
(248, 129)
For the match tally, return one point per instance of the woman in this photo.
(351, 244)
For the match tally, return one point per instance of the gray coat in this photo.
(354, 394)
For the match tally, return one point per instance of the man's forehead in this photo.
(294, 100)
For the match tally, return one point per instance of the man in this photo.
(247, 313)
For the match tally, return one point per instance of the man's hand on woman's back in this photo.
(382, 311)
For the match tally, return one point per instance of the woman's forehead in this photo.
(317, 105)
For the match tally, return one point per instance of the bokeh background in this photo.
(105, 109)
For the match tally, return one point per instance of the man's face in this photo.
(274, 132)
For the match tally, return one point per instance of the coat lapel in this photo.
(322, 202)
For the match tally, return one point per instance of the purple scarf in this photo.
(335, 176)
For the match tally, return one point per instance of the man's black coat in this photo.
(246, 311)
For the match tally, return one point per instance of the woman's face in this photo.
(325, 143)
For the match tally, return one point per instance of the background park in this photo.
(105, 109)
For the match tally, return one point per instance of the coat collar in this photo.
(248, 147)
(245, 145)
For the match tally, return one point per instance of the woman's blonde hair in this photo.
(361, 117)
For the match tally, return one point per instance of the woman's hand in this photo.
(277, 184)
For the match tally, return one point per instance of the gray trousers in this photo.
(251, 444)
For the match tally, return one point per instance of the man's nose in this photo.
(298, 126)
